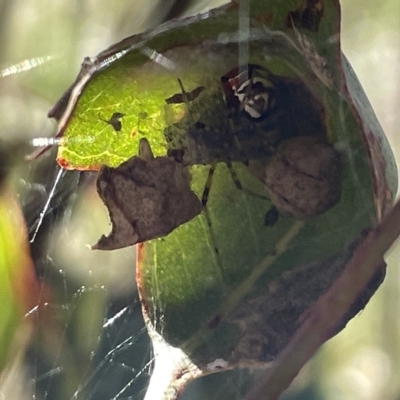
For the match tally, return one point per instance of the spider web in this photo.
(98, 344)
(90, 341)
(117, 361)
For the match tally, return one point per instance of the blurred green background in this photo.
(89, 352)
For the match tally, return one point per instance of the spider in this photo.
(259, 113)
(207, 141)
(301, 175)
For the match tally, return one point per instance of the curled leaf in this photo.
(225, 288)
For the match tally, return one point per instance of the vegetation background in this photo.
(361, 363)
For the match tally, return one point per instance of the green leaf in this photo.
(224, 286)
(18, 287)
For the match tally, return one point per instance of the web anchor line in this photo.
(47, 205)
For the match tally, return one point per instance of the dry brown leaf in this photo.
(146, 198)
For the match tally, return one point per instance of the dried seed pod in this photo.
(303, 178)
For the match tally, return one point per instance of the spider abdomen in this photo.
(303, 178)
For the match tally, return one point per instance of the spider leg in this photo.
(239, 185)
(204, 200)
(213, 240)
(206, 191)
